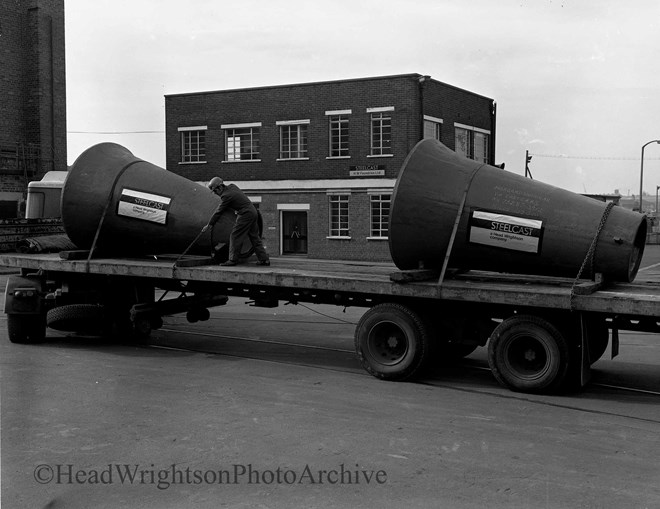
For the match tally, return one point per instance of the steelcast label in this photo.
(145, 206)
(508, 232)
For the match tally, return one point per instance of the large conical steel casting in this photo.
(497, 221)
(131, 206)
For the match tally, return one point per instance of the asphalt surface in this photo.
(268, 408)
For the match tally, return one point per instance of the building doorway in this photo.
(294, 232)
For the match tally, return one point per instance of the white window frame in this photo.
(338, 118)
(340, 198)
(472, 133)
(193, 144)
(378, 117)
(301, 143)
(253, 127)
(379, 194)
(434, 123)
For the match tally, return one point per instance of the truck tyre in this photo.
(528, 354)
(26, 328)
(392, 342)
(82, 318)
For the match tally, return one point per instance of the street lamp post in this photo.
(656, 201)
(641, 173)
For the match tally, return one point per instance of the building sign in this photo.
(508, 232)
(145, 206)
(367, 170)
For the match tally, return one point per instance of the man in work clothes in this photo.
(246, 220)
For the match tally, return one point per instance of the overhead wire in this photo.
(115, 132)
(600, 158)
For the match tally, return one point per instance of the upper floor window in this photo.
(338, 122)
(242, 142)
(481, 143)
(193, 144)
(432, 128)
(293, 139)
(381, 131)
(472, 142)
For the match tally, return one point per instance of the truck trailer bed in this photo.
(372, 282)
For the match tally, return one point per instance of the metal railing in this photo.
(23, 159)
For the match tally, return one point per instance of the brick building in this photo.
(320, 160)
(32, 96)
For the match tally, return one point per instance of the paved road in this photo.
(242, 422)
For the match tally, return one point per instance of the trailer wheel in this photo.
(528, 354)
(26, 328)
(392, 341)
(83, 318)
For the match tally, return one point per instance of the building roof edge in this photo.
(302, 84)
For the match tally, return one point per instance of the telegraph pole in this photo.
(528, 159)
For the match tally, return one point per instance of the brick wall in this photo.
(32, 89)
(454, 105)
(319, 246)
(268, 105)
(295, 102)
(310, 101)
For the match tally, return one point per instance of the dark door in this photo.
(294, 232)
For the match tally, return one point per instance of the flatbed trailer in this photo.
(543, 333)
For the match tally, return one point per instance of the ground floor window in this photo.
(380, 215)
(338, 204)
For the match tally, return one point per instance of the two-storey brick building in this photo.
(321, 159)
(32, 96)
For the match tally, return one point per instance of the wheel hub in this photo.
(527, 357)
(388, 343)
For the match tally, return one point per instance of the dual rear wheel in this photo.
(526, 353)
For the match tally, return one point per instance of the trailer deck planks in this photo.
(371, 280)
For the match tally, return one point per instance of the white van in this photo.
(43, 196)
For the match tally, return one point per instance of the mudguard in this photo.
(23, 295)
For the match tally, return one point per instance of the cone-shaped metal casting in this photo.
(140, 207)
(504, 222)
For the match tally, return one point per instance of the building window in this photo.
(480, 145)
(463, 144)
(338, 135)
(242, 142)
(472, 143)
(193, 144)
(293, 139)
(339, 215)
(432, 128)
(380, 215)
(381, 131)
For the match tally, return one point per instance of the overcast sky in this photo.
(577, 82)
